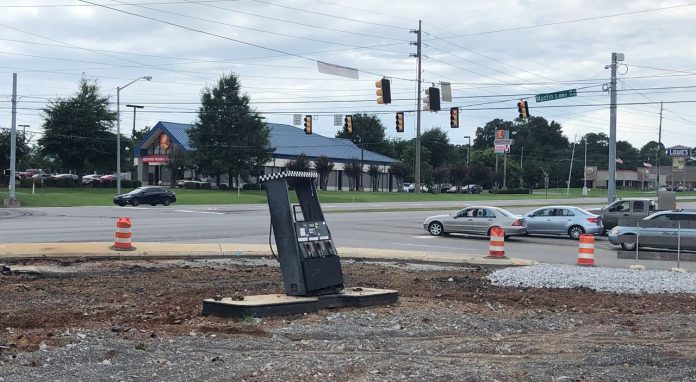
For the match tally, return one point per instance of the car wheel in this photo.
(134, 202)
(629, 246)
(576, 231)
(121, 204)
(436, 229)
(166, 202)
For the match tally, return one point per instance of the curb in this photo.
(161, 251)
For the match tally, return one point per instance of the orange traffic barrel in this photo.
(586, 251)
(496, 247)
(123, 235)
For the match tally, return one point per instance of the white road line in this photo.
(436, 246)
(201, 212)
(423, 237)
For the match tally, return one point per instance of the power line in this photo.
(569, 21)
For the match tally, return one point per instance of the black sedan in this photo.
(151, 195)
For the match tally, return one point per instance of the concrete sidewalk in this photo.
(99, 250)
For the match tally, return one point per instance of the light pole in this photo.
(468, 149)
(118, 129)
(135, 107)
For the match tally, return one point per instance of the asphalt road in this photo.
(352, 225)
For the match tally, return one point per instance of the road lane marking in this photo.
(201, 212)
(423, 237)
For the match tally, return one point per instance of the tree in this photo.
(324, 166)
(179, 161)
(374, 173)
(401, 171)
(353, 171)
(76, 130)
(437, 142)
(649, 153)
(459, 173)
(22, 149)
(486, 134)
(300, 163)
(371, 130)
(228, 136)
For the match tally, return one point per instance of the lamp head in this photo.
(149, 78)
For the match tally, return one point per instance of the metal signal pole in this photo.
(418, 108)
(659, 149)
(611, 187)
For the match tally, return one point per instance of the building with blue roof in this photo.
(289, 142)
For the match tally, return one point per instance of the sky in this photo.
(493, 53)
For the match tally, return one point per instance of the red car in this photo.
(108, 178)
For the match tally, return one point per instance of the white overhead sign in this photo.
(337, 70)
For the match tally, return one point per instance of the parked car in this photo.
(108, 178)
(625, 208)
(151, 195)
(41, 176)
(680, 189)
(659, 230)
(444, 187)
(476, 220)
(65, 176)
(89, 179)
(563, 220)
(405, 187)
(468, 189)
(423, 188)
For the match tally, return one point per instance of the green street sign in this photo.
(556, 95)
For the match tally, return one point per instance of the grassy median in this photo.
(65, 197)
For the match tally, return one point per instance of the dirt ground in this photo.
(141, 321)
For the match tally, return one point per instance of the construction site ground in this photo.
(141, 321)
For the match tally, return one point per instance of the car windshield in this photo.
(137, 190)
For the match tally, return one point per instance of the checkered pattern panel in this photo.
(289, 174)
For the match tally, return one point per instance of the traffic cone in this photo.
(496, 247)
(586, 251)
(123, 235)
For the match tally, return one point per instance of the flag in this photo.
(619, 161)
(648, 165)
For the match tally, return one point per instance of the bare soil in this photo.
(142, 321)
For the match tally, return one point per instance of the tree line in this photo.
(230, 138)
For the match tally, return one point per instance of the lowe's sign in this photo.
(679, 152)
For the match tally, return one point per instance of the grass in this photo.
(66, 197)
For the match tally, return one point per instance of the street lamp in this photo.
(468, 149)
(118, 130)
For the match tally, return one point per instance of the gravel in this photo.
(598, 279)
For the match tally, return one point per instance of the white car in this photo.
(65, 176)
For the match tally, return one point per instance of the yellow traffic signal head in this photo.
(308, 124)
(454, 117)
(400, 122)
(383, 91)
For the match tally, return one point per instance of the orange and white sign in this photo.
(164, 141)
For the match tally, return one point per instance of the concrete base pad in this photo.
(282, 305)
(10, 203)
(656, 255)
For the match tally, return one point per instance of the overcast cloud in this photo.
(51, 44)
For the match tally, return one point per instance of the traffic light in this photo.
(432, 99)
(308, 124)
(523, 109)
(348, 124)
(454, 117)
(400, 122)
(383, 91)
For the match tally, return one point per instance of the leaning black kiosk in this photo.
(309, 261)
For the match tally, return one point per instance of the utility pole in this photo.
(584, 171)
(611, 187)
(135, 107)
(418, 107)
(570, 172)
(659, 149)
(12, 200)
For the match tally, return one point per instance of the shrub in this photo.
(511, 191)
(108, 184)
(26, 182)
(252, 186)
(223, 186)
(126, 183)
(136, 183)
(205, 186)
(70, 183)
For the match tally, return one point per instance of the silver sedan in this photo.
(665, 229)
(476, 220)
(563, 220)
